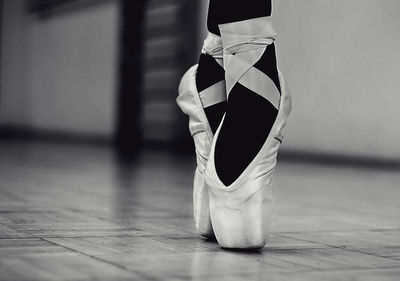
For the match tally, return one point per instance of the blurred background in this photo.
(107, 71)
(85, 84)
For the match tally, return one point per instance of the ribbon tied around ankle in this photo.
(244, 43)
(213, 46)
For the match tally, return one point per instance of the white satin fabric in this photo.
(241, 212)
(192, 103)
(244, 43)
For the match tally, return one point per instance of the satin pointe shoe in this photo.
(241, 212)
(191, 103)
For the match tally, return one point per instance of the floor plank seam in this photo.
(83, 236)
(338, 231)
(104, 261)
(345, 248)
(352, 269)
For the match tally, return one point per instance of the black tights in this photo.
(225, 11)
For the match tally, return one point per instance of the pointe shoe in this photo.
(191, 103)
(241, 212)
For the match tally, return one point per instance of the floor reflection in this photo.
(76, 211)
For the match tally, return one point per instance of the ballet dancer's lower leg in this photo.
(202, 96)
(210, 80)
(250, 112)
(244, 150)
(225, 11)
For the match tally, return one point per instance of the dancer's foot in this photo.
(204, 103)
(244, 150)
(253, 100)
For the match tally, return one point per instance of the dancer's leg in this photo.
(202, 96)
(249, 116)
(225, 11)
(210, 80)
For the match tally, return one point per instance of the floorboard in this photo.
(70, 212)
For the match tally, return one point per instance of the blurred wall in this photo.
(59, 72)
(170, 47)
(341, 59)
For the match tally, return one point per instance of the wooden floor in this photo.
(74, 213)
